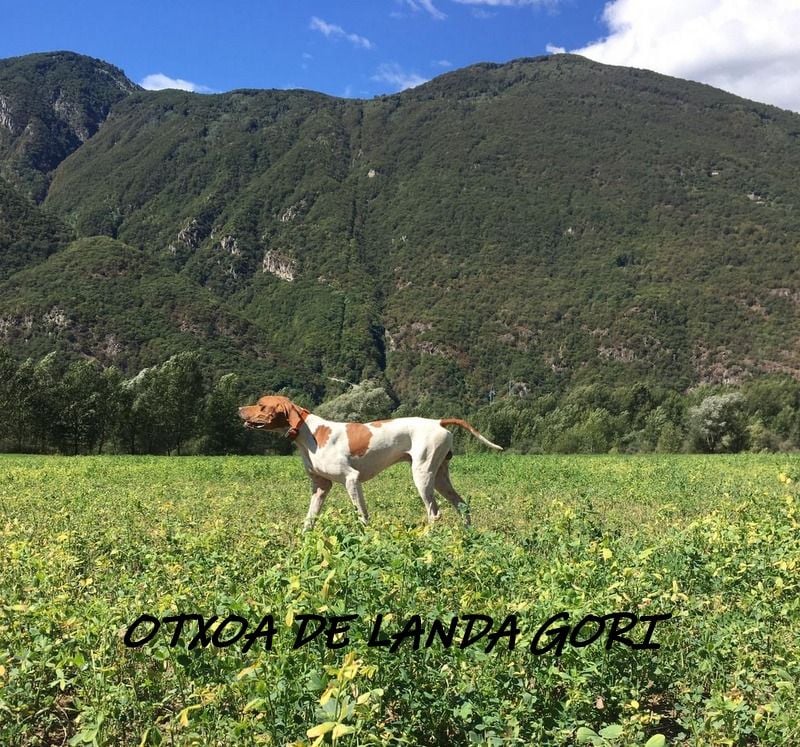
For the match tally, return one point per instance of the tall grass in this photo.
(89, 545)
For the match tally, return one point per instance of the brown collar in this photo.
(294, 432)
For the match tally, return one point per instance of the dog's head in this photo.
(274, 413)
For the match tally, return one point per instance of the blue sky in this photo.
(368, 47)
(342, 48)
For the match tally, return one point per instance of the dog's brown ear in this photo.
(296, 417)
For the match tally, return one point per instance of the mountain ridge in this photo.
(545, 222)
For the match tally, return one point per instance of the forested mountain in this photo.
(50, 104)
(526, 227)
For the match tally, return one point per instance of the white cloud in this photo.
(506, 3)
(159, 82)
(432, 9)
(479, 6)
(442, 63)
(426, 5)
(393, 74)
(553, 49)
(748, 47)
(332, 31)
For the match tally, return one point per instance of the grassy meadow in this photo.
(88, 545)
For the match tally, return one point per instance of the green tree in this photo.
(596, 433)
(45, 402)
(182, 384)
(362, 402)
(165, 405)
(222, 429)
(719, 424)
(89, 402)
(8, 370)
(20, 412)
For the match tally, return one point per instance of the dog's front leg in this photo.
(353, 485)
(321, 487)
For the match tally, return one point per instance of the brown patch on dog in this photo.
(358, 437)
(321, 435)
(377, 423)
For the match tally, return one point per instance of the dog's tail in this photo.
(466, 426)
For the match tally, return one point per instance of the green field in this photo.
(87, 545)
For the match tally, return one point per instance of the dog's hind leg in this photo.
(356, 493)
(423, 480)
(445, 487)
(424, 467)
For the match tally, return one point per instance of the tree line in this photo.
(80, 407)
(761, 414)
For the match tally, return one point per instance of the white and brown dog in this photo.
(352, 453)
